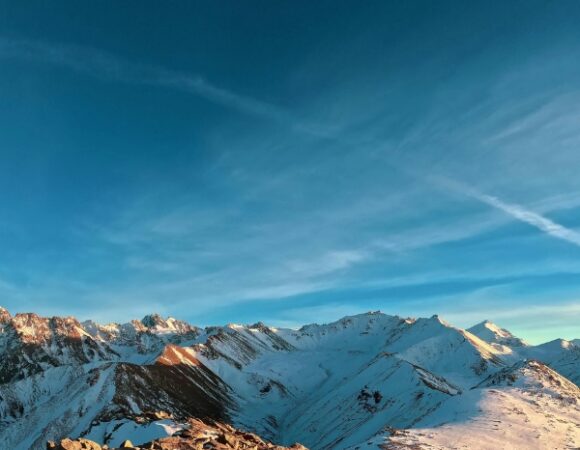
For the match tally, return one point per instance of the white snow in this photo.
(366, 379)
(525, 414)
(114, 433)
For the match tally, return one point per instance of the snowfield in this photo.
(365, 381)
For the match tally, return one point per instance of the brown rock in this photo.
(78, 444)
(228, 439)
(199, 436)
(69, 444)
(89, 445)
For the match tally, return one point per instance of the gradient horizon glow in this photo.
(292, 161)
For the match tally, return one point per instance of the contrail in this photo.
(106, 66)
(530, 217)
(518, 212)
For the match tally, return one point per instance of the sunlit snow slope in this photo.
(371, 379)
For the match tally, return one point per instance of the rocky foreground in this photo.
(197, 436)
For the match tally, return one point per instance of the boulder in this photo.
(77, 444)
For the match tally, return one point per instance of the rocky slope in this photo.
(333, 386)
(196, 435)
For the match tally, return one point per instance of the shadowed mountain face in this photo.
(371, 379)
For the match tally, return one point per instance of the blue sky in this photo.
(292, 161)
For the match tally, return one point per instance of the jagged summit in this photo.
(5, 315)
(153, 320)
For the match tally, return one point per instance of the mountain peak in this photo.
(557, 344)
(493, 334)
(152, 320)
(434, 321)
(4, 315)
(487, 324)
(437, 318)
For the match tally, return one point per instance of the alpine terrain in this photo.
(370, 381)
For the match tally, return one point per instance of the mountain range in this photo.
(370, 381)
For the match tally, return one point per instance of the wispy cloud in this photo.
(345, 222)
(107, 66)
(330, 262)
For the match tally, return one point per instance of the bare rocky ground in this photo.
(198, 436)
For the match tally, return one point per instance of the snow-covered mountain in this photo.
(372, 379)
(496, 336)
(525, 406)
(561, 355)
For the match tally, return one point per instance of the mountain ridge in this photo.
(329, 386)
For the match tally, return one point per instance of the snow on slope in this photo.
(443, 349)
(140, 341)
(561, 355)
(59, 401)
(496, 336)
(526, 406)
(348, 410)
(30, 344)
(328, 386)
(77, 399)
(115, 432)
(283, 388)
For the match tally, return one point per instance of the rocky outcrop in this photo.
(197, 436)
(77, 444)
(30, 344)
(148, 335)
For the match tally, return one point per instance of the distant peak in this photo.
(152, 320)
(559, 342)
(492, 333)
(4, 314)
(484, 324)
(259, 326)
(437, 319)
(489, 325)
